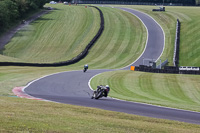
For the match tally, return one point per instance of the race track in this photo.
(72, 87)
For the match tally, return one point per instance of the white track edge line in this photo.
(147, 33)
(147, 30)
(146, 40)
(23, 89)
(45, 77)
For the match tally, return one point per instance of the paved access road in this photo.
(72, 87)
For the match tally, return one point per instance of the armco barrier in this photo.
(167, 69)
(68, 62)
(177, 44)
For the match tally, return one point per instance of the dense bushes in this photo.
(14, 10)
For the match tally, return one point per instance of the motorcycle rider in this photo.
(106, 89)
(85, 67)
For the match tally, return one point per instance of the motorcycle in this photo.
(85, 69)
(99, 93)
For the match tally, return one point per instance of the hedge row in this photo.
(68, 62)
(12, 11)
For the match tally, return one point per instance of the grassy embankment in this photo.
(178, 91)
(57, 36)
(35, 116)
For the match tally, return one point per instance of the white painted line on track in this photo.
(159, 26)
(91, 79)
(45, 77)
(146, 40)
(23, 89)
(147, 35)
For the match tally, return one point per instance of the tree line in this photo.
(11, 11)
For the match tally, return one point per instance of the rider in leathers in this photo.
(104, 87)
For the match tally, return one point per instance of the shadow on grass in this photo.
(41, 19)
(56, 9)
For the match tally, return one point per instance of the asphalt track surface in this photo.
(73, 87)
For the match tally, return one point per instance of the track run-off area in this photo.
(73, 87)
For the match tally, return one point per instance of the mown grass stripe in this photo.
(111, 49)
(149, 89)
(122, 49)
(160, 89)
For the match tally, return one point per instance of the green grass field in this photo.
(117, 47)
(58, 36)
(171, 90)
(22, 115)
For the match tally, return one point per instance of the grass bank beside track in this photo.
(121, 43)
(22, 115)
(57, 36)
(170, 90)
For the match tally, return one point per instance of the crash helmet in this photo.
(107, 86)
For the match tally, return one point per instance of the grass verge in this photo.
(169, 90)
(22, 115)
(57, 36)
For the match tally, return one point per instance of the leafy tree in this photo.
(22, 6)
(13, 10)
(8, 13)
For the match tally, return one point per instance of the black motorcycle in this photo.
(85, 69)
(99, 93)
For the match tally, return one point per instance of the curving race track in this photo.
(72, 87)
